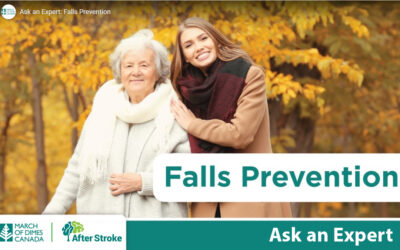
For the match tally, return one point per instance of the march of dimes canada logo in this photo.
(76, 229)
(6, 232)
(20, 232)
(8, 11)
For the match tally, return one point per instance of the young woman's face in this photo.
(198, 48)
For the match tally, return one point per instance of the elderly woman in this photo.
(130, 124)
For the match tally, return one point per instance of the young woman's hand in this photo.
(125, 183)
(182, 114)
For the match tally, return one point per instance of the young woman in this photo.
(224, 106)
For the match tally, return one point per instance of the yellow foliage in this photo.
(327, 209)
(82, 118)
(284, 140)
(364, 209)
(305, 15)
(77, 56)
(284, 86)
(57, 134)
(356, 26)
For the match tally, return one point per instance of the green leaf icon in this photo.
(78, 227)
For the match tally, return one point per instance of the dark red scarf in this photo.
(214, 96)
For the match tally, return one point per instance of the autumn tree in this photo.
(330, 72)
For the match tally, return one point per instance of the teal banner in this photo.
(257, 234)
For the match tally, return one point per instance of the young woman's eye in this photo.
(187, 45)
(204, 38)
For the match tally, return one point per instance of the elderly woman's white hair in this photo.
(142, 38)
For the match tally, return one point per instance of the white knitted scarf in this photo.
(111, 103)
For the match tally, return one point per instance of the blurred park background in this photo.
(332, 75)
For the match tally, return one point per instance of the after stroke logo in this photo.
(6, 232)
(75, 228)
(72, 227)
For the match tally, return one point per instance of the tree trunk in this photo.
(352, 212)
(72, 107)
(275, 112)
(307, 206)
(41, 175)
(3, 151)
(75, 117)
(384, 209)
(296, 209)
(304, 129)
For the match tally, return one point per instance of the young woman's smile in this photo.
(198, 48)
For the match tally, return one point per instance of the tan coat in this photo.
(248, 132)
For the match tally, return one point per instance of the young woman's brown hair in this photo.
(226, 50)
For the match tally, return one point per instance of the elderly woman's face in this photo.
(138, 73)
